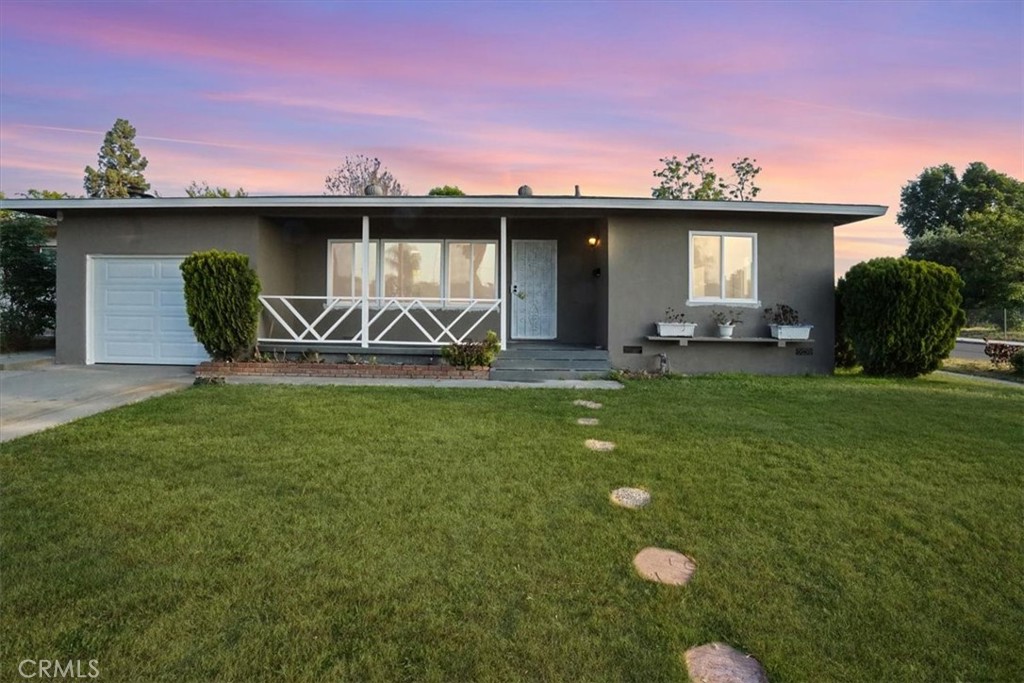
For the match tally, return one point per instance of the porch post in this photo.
(365, 338)
(504, 283)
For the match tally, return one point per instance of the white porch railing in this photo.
(321, 320)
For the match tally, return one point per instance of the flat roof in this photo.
(839, 214)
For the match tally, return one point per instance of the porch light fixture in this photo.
(594, 241)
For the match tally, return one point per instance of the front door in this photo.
(534, 289)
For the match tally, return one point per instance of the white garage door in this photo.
(138, 312)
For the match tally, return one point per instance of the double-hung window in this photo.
(723, 268)
(449, 273)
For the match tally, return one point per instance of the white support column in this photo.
(365, 339)
(504, 283)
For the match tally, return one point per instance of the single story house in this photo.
(375, 275)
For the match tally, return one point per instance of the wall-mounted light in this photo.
(594, 241)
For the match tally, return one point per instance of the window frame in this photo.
(377, 297)
(754, 302)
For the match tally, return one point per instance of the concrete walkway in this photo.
(49, 395)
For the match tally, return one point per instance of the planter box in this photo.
(676, 329)
(791, 331)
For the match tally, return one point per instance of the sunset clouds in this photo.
(838, 102)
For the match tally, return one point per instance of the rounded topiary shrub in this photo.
(902, 316)
(222, 301)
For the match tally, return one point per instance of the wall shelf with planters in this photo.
(686, 341)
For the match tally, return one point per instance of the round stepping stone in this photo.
(664, 566)
(586, 404)
(598, 445)
(719, 663)
(631, 498)
(588, 421)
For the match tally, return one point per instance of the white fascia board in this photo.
(851, 212)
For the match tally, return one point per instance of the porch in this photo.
(406, 285)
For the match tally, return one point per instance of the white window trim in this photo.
(377, 297)
(691, 300)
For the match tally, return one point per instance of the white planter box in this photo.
(791, 331)
(676, 329)
(725, 331)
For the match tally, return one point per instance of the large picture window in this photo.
(447, 272)
(723, 268)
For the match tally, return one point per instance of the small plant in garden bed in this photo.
(473, 353)
(782, 315)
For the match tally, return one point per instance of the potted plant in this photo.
(784, 323)
(672, 325)
(727, 322)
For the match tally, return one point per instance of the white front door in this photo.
(534, 289)
(138, 312)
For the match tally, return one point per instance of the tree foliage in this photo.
(222, 302)
(939, 199)
(902, 316)
(119, 166)
(356, 173)
(28, 282)
(696, 178)
(204, 191)
(446, 191)
(974, 223)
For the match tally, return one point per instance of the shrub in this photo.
(1017, 361)
(222, 301)
(901, 315)
(28, 282)
(845, 357)
(472, 353)
(999, 353)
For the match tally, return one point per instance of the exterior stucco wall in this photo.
(138, 234)
(649, 272)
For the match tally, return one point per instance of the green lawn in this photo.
(845, 529)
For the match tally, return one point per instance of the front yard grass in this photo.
(844, 529)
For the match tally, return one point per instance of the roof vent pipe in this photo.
(578, 191)
(373, 190)
(525, 191)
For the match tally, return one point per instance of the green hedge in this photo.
(902, 316)
(222, 301)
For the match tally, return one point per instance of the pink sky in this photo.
(839, 102)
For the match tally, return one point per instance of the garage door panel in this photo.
(139, 313)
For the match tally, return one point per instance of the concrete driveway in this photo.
(43, 397)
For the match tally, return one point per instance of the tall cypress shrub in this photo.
(901, 315)
(222, 301)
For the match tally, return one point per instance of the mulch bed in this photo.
(210, 369)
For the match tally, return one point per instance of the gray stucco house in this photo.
(382, 274)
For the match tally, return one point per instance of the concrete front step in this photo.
(553, 353)
(546, 364)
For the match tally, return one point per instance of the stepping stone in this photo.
(631, 498)
(586, 404)
(597, 445)
(588, 421)
(664, 566)
(719, 663)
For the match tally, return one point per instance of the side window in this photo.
(412, 269)
(472, 270)
(723, 267)
(345, 265)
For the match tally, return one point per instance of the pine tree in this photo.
(120, 166)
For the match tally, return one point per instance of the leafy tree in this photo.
(356, 173)
(46, 194)
(28, 282)
(446, 191)
(204, 191)
(902, 316)
(222, 301)
(938, 199)
(120, 165)
(696, 178)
